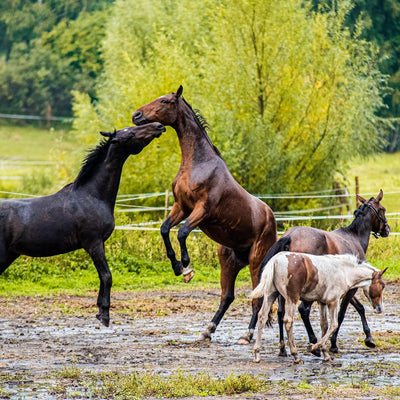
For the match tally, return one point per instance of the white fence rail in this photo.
(123, 206)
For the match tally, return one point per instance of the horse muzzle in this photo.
(379, 309)
(385, 231)
(138, 118)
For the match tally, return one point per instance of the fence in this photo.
(124, 205)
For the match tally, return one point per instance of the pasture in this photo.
(53, 347)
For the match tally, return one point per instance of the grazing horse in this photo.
(353, 239)
(207, 196)
(308, 277)
(80, 215)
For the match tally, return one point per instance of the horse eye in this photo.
(164, 101)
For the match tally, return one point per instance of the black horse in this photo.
(80, 215)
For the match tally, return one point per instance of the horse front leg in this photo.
(349, 298)
(333, 315)
(97, 254)
(230, 268)
(196, 216)
(369, 341)
(175, 216)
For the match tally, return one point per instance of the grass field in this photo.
(41, 162)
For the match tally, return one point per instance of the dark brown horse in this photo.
(353, 239)
(207, 196)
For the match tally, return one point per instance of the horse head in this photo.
(135, 138)
(164, 109)
(375, 291)
(379, 224)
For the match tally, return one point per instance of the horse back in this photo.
(53, 224)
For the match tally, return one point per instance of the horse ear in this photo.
(109, 134)
(383, 271)
(360, 198)
(179, 92)
(380, 196)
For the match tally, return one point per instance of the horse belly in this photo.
(229, 236)
(47, 242)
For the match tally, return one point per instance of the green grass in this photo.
(381, 171)
(41, 161)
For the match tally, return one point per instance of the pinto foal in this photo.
(306, 277)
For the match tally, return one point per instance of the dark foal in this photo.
(353, 239)
(207, 196)
(80, 215)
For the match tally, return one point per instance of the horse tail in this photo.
(283, 244)
(266, 281)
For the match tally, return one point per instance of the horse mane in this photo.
(92, 161)
(203, 124)
(353, 260)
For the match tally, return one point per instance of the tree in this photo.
(42, 69)
(290, 93)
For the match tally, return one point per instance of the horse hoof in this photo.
(104, 321)
(188, 274)
(334, 349)
(370, 343)
(203, 338)
(243, 340)
(282, 353)
(316, 353)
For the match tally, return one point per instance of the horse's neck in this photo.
(105, 182)
(358, 276)
(360, 228)
(195, 145)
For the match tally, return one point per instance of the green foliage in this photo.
(298, 102)
(50, 49)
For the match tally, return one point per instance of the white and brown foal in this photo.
(306, 277)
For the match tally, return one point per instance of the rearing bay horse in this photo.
(352, 239)
(207, 196)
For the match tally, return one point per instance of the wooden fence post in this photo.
(357, 192)
(166, 203)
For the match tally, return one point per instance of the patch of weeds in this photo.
(387, 341)
(139, 385)
(4, 393)
(391, 392)
(71, 372)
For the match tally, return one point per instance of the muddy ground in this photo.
(157, 332)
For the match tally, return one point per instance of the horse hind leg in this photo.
(230, 268)
(269, 299)
(288, 320)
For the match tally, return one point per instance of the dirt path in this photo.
(158, 331)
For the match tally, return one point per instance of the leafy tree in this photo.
(381, 25)
(42, 71)
(290, 93)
